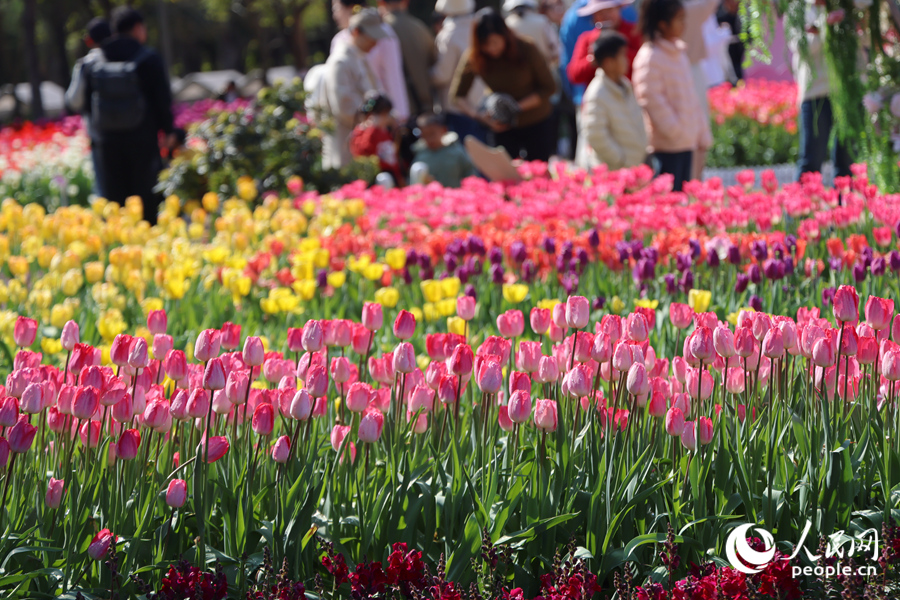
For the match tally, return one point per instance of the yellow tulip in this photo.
(374, 272)
(269, 306)
(395, 258)
(422, 361)
(173, 204)
(450, 287)
(216, 255)
(196, 231)
(616, 305)
(515, 292)
(51, 346)
(431, 289)
(456, 325)
(4, 293)
(309, 208)
(210, 201)
(417, 313)
(447, 307)
(247, 189)
(71, 282)
(321, 258)
(646, 303)
(336, 279)
(265, 342)
(18, 265)
(358, 265)
(59, 314)
(429, 310)
(104, 355)
(548, 303)
(699, 300)
(93, 272)
(45, 255)
(151, 304)
(305, 289)
(388, 297)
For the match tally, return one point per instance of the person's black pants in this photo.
(532, 142)
(677, 164)
(130, 168)
(816, 122)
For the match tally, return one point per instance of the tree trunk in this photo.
(29, 21)
(299, 48)
(165, 37)
(58, 27)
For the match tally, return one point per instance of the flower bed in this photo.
(575, 362)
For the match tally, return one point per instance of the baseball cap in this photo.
(368, 22)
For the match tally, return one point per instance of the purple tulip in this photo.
(759, 250)
(549, 245)
(671, 286)
(687, 281)
(740, 283)
(712, 258)
(734, 255)
(895, 260)
(497, 274)
(828, 296)
(594, 238)
(695, 248)
(755, 303)
(859, 272)
(755, 274)
(517, 252)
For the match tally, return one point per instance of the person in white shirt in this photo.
(524, 18)
(385, 59)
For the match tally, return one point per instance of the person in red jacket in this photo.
(374, 136)
(607, 15)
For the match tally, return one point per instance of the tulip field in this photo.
(577, 386)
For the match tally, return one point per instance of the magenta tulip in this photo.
(176, 493)
(53, 497)
(100, 544)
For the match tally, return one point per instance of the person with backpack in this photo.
(131, 102)
(98, 31)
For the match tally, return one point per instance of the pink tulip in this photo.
(545, 417)
(138, 357)
(773, 343)
(519, 407)
(674, 421)
(53, 497)
(824, 351)
(489, 377)
(638, 384)
(263, 421)
(340, 369)
(548, 370)
(519, 381)
(503, 419)
(612, 326)
(879, 312)
(511, 324)
(338, 433)
(465, 307)
(162, 344)
(421, 398)
(404, 325)
(845, 304)
(701, 341)
(157, 321)
(558, 316)
(695, 380)
(207, 345)
(254, 354)
(734, 381)
(214, 374)
(689, 435)
(85, 404)
(658, 407)
(704, 430)
(540, 320)
(175, 365)
(123, 410)
(313, 336)
(578, 312)
(24, 331)
(895, 329)
(373, 316)
(236, 387)
(623, 357)
(9, 409)
(890, 365)
(867, 350)
(788, 332)
(230, 335)
(218, 447)
(120, 350)
(70, 335)
(128, 444)
(849, 341)
(358, 396)
(198, 404)
(155, 414)
(337, 332)
(371, 425)
(176, 493)
(636, 327)
(404, 359)
(744, 342)
(100, 544)
(90, 434)
(33, 399)
(281, 450)
(301, 405)
(681, 315)
(317, 381)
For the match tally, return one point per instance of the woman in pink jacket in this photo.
(663, 85)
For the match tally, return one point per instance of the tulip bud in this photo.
(372, 316)
(218, 447)
(263, 419)
(545, 417)
(198, 404)
(214, 374)
(578, 312)
(281, 450)
(704, 430)
(358, 395)
(70, 335)
(313, 336)
(674, 421)
(689, 436)
(128, 444)
(301, 405)
(90, 434)
(465, 308)
(371, 426)
(404, 325)
(120, 350)
(540, 320)
(100, 544)
(24, 331)
(253, 352)
(157, 321)
(137, 355)
(230, 335)
(53, 497)
(519, 407)
(404, 358)
(175, 365)
(207, 345)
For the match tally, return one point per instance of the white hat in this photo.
(511, 5)
(455, 8)
(594, 6)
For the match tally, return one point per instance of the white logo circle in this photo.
(740, 554)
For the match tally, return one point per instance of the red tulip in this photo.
(218, 447)
(175, 365)
(540, 320)
(128, 444)
(281, 450)
(214, 374)
(207, 345)
(879, 312)
(263, 419)
(53, 497)
(373, 316)
(545, 417)
(230, 335)
(371, 426)
(100, 544)
(681, 315)
(465, 308)
(845, 304)
(70, 335)
(25, 331)
(404, 325)
(404, 358)
(176, 493)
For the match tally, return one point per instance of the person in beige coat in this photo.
(611, 119)
(346, 81)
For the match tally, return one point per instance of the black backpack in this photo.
(117, 101)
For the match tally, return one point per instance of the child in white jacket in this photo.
(612, 121)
